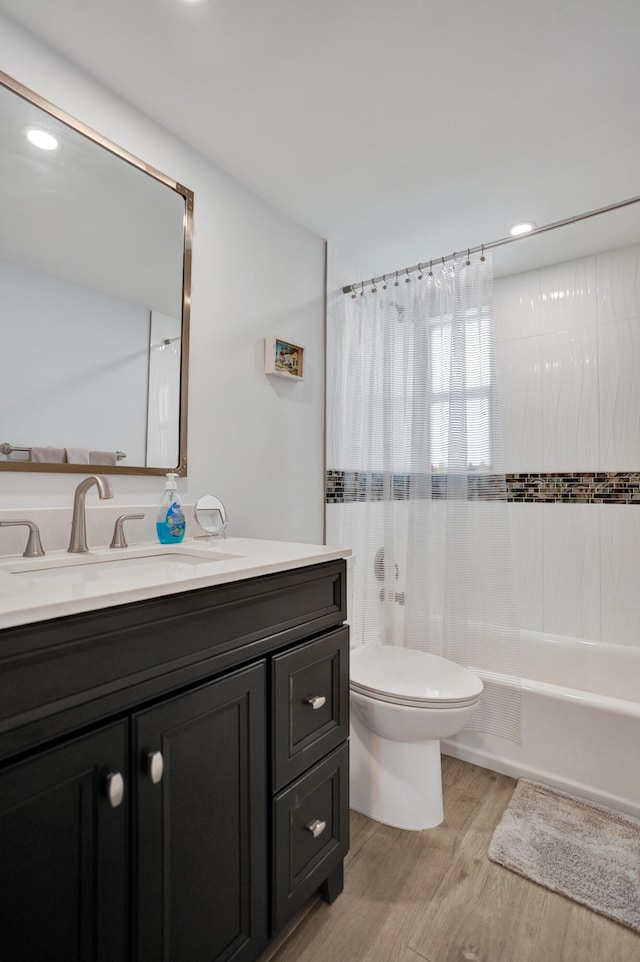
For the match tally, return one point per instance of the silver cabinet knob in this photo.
(115, 788)
(316, 701)
(155, 766)
(316, 827)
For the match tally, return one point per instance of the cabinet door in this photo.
(201, 823)
(63, 853)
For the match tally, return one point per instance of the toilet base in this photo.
(397, 783)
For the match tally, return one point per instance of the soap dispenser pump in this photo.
(170, 524)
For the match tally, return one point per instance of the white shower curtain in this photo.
(416, 468)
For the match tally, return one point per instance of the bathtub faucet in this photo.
(398, 596)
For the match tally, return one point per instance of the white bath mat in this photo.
(588, 853)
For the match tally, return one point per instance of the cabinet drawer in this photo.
(310, 833)
(311, 704)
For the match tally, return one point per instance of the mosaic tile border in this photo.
(579, 487)
(348, 486)
(583, 487)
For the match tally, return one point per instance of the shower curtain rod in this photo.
(481, 248)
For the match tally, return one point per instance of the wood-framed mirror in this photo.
(95, 283)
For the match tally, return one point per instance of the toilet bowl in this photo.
(403, 702)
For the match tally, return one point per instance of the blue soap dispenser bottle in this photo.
(170, 524)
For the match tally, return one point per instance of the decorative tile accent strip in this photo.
(580, 487)
(334, 487)
(586, 487)
(348, 486)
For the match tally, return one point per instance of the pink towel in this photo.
(48, 454)
(77, 456)
(102, 457)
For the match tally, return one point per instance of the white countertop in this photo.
(36, 589)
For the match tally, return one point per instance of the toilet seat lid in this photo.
(407, 676)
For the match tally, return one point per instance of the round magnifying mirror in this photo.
(211, 515)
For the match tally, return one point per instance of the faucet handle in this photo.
(34, 547)
(118, 540)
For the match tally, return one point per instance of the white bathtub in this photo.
(580, 722)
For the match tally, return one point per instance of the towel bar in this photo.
(6, 448)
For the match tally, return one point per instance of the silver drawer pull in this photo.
(115, 788)
(316, 701)
(155, 766)
(316, 827)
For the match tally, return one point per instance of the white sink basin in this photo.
(163, 560)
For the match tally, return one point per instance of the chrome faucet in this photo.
(78, 542)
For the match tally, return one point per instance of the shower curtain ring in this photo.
(430, 268)
(419, 272)
(482, 257)
(361, 288)
(374, 289)
(407, 279)
(384, 284)
(396, 281)
(353, 290)
(468, 257)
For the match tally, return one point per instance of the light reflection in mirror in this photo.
(95, 260)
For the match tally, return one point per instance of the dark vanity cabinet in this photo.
(174, 774)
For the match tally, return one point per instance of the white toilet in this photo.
(403, 702)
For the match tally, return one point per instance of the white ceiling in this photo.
(399, 131)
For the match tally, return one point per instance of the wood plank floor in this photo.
(435, 897)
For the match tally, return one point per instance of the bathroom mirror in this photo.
(95, 268)
(211, 515)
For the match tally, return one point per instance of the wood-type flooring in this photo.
(434, 896)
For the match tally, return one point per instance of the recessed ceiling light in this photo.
(523, 228)
(42, 139)
(192, 3)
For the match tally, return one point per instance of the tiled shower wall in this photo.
(568, 352)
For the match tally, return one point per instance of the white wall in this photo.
(83, 347)
(254, 441)
(568, 350)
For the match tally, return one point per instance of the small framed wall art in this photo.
(283, 359)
